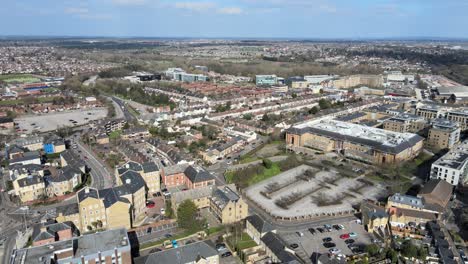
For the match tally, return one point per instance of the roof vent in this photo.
(128, 181)
(87, 190)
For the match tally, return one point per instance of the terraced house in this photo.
(149, 171)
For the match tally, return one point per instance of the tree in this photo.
(265, 117)
(314, 110)
(372, 250)
(267, 163)
(187, 216)
(409, 250)
(169, 211)
(324, 104)
(392, 255)
(294, 95)
(247, 116)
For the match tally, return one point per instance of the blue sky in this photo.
(236, 18)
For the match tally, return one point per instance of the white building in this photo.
(453, 166)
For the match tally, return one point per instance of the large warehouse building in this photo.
(367, 144)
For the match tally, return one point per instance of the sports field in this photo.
(18, 78)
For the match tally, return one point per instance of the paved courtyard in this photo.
(308, 192)
(52, 121)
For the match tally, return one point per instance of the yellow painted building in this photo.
(30, 188)
(228, 206)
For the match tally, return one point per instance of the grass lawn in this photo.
(248, 159)
(133, 111)
(422, 158)
(11, 102)
(25, 78)
(243, 242)
(267, 173)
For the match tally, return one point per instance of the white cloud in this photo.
(230, 11)
(129, 2)
(195, 6)
(76, 10)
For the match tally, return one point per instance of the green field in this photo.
(18, 78)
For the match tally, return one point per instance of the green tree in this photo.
(267, 163)
(409, 250)
(169, 211)
(372, 250)
(187, 216)
(392, 255)
(324, 104)
(314, 110)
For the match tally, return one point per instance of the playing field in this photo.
(18, 78)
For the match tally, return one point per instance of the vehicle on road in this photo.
(174, 244)
(167, 235)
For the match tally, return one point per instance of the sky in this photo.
(307, 19)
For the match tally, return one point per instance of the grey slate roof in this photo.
(276, 245)
(186, 254)
(68, 209)
(223, 196)
(131, 165)
(87, 192)
(132, 181)
(30, 180)
(260, 225)
(197, 174)
(150, 167)
(110, 196)
(65, 174)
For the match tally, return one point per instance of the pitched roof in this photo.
(186, 254)
(260, 225)
(150, 167)
(437, 191)
(30, 180)
(277, 246)
(110, 196)
(87, 192)
(130, 165)
(197, 174)
(132, 181)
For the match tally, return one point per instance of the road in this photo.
(128, 116)
(101, 177)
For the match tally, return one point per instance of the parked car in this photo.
(349, 241)
(300, 234)
(167, 235)
(220, 247)
(327, 239)
(334, 250)
(344, 236)
(312, 231)
(226, 254)
(321, 230)
(294, 246)
(329, 245)
(352, 234)
(174, 244)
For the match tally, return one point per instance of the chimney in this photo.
(87, 190)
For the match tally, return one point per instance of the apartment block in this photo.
(149, 171)
(367, 144)
(228, 206)
(453, 166)
(444, 134)
(405, 123)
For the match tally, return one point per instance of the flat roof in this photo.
(456, 158)
(383, 140)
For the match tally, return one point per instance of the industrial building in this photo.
(367, 144)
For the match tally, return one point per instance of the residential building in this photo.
(62, 181)
(256, 228)
(195, 253)
(31, 143)
(367, 144)
(444, 134)
(404, 123)
(443, 249)
(69, 158)
(357, 80)
(6, 123)
(149, 171)
(228, 206)
(406, 210)
(52, 232)
(32, 157)
(54, 144)
(200, 197)
(436, 194)
(69, 213)
(30, 188)
(191, 176)
(453, 166)
(266, 80)
(106, 247)
(318, 79)
(277, 250)
(135, 133)
(460, 116)
(374, 217)
(430, 111)
(113, 125)
(221, 150)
